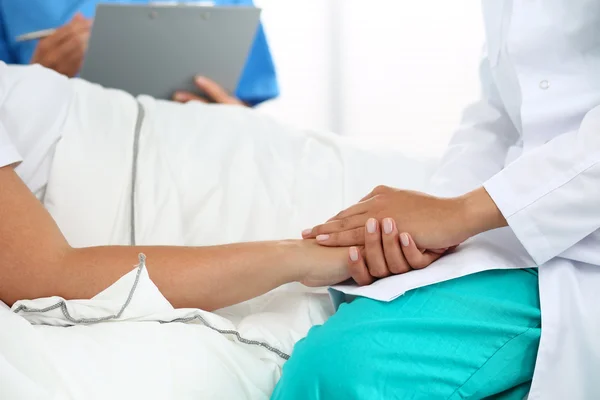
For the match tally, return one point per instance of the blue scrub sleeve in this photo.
(5, 54)
(258, 82)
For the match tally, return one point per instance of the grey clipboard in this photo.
(157, 50)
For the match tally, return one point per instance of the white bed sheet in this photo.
(236, 176)
(49, 355)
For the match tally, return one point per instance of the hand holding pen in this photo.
(63, 50)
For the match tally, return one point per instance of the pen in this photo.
(35, 35)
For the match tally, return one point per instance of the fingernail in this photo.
(353, 254)
(387, 226)
(200, 80)
(179, 97)
(371, 225)
(306, 232)
(322, 238)
(405, 239)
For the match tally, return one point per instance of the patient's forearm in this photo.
(36, 261)
(205, 277)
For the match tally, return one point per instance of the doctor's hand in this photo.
(63, 51)
(433, 222)
(387, 252)
(214, 93)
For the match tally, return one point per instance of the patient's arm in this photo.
(36, 261)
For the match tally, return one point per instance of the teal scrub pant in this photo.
(474, 337)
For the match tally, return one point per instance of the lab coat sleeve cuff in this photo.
(9, 156)
(524, 227)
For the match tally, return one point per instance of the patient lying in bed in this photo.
(114, 170)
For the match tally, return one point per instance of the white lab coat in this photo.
(533, 141)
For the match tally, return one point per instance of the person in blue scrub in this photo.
(64, 50)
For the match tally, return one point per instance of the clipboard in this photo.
(158, 49)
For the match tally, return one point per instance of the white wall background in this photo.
(401, 70)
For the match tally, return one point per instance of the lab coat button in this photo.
(544, 85)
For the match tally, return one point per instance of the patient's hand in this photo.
(63, 51)
(321, 266)
(214, 93)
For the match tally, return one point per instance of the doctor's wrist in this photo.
(480, 213)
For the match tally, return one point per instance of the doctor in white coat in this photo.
(525, 164)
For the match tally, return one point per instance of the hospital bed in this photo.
(236, 176)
